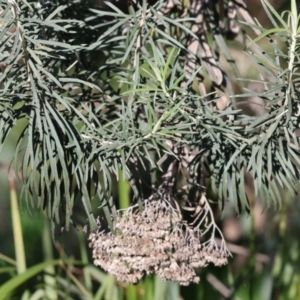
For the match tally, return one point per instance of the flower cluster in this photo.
(154, 240)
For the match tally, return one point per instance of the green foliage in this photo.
(102, 94)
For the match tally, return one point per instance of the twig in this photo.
(218, 285)
(259, 257)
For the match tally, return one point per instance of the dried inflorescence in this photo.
(154, 240)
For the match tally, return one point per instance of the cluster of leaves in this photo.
(97, 91)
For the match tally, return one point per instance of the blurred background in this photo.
(265, 245)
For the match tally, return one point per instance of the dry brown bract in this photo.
(154, 240)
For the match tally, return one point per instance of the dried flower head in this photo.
(154, 240)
